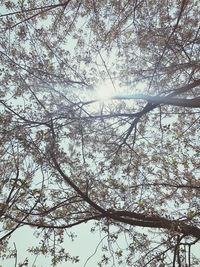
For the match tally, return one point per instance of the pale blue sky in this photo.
(84, 246)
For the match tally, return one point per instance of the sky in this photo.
(87, 246)
(84, 246)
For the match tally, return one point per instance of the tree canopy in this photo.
(130, 164)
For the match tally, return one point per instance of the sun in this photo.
(105, 90)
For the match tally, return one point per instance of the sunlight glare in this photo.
(105, 90)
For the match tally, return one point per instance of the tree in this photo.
(131, 164)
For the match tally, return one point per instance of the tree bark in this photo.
(158, 100)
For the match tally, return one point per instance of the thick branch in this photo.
(155, 221)
(157, 100)
(179, 102)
